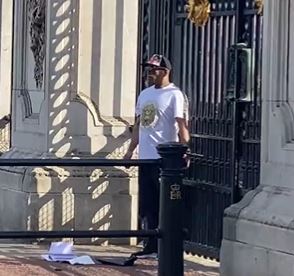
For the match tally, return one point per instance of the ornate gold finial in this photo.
(259, 5)
(198, 11)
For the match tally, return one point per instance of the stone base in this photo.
(258, 238)
(69, 198)
(241, 259)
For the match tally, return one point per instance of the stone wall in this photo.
(74, 89)
(258, 231)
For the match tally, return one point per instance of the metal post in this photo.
(170, 215)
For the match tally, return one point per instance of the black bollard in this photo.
(170, 255)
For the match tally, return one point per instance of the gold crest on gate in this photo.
(198, 11)
(259, 5)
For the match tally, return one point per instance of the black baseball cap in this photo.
(159, 61)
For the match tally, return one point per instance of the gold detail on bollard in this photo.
(198, 11)
(175, 192)
(259, 5)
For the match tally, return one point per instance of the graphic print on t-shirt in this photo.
(149, 115)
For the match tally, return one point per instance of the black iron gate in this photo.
(218, 65)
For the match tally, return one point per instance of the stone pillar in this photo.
(5, 72)
(74, 95)
(259, 231)
(5, 56)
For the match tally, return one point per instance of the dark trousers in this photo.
(149, 201)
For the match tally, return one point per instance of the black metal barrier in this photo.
(170, 231)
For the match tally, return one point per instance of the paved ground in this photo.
(24, 260)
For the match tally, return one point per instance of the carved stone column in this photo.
(259, 231)
(5, 56)
(74, 96)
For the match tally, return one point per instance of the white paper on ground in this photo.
(61, 248)
(85, 260)
(58, 258)
(62, 252)
(59, 252)
(46, 258)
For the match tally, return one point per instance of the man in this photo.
(161, 116)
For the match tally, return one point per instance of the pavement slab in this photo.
(25, 260)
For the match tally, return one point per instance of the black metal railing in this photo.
(170, 230)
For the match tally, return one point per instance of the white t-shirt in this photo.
(158, 109)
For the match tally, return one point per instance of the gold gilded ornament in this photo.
(198, 11)
(259, 5)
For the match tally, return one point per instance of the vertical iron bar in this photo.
(176, 38)
(183, 57)
(140, 54)
(235, 105)
(152, 28)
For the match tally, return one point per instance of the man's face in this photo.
(155, 75)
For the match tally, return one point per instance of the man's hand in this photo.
(134, 140)
(183, 130)
(187, 159)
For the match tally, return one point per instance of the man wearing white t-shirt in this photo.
(161, 116)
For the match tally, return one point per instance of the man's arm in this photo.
(134, 139)
(183, 130)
